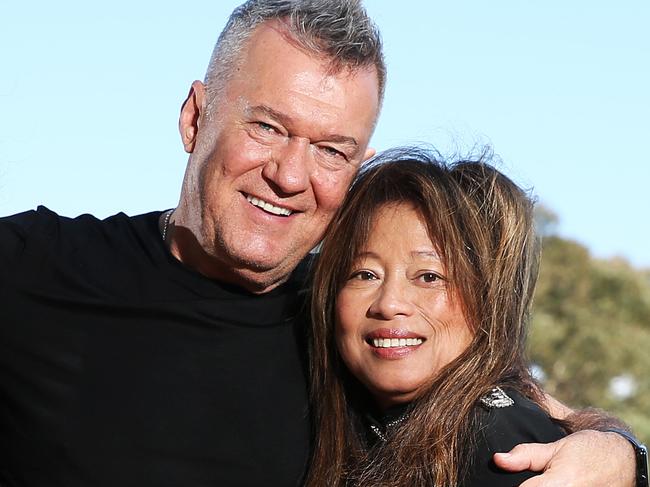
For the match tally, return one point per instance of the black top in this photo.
(121, 367)
(501, 428)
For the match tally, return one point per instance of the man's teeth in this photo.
(276, 210)
(395, 342)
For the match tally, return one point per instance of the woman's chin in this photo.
(388, 398)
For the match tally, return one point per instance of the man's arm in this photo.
(589, 457)
(582, 419)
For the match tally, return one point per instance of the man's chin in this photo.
(269, 264)
(261, 279)
(264, 268)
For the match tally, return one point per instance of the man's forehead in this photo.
(273, 68)
(280, 31)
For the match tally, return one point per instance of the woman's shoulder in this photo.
(506, 418)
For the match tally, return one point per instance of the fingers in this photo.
(527, 456)
(583, 459)
(534, 482)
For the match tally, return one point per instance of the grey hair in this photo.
(338, 30)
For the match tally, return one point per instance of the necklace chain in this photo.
(168, 215)
(382, 435)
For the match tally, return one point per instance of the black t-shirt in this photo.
(121, 367)
(503, 422)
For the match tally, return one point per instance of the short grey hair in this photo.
(338, 30)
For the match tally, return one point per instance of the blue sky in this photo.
(90, 93)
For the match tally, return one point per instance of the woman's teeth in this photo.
(395, 342)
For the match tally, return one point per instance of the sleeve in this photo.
(13, 236)
(500, 430)
(19, 232)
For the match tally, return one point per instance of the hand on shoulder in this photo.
(583, 459)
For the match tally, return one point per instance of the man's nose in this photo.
(290, 166)
(392, 301)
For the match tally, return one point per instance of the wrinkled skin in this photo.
(584, 459)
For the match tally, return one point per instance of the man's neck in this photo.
(185, 247)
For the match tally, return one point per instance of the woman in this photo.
(421, 298)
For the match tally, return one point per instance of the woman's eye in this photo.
(430, 277)
(363, 276)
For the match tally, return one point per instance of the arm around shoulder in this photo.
(587, 457)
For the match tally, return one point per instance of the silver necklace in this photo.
(382, 435)
(168, 215)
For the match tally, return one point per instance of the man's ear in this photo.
(191, 115)
(368, 154)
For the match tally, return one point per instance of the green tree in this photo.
(590, 330)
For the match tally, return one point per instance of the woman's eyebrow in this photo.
(426, 253)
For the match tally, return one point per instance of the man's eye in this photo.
(266, 127)
(363, 276)
(332, 152)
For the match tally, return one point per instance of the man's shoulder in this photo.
(44, 220)
(39, 238)
(43, 223)
(21, 224)
(19, 231)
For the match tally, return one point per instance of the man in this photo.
(165, 349)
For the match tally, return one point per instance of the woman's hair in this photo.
(481, 224)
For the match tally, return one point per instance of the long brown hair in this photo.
(481, 224)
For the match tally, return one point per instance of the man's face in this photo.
(274, 160)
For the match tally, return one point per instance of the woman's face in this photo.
(397, 325)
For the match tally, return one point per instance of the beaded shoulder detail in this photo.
(496, 398)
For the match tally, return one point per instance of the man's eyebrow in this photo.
(285, 119)
(268, 111)
(341, 139)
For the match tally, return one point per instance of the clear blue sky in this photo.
(90, 93)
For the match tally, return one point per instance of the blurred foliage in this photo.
(590, 329)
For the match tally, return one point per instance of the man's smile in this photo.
(268, 207)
